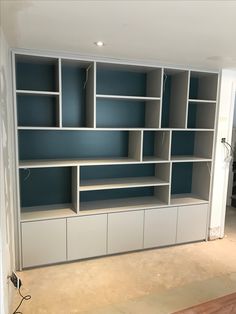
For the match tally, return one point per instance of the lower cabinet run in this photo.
(86, 236)
(43, 242)
(65, 239)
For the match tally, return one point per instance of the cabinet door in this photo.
(43, 242)
(160, 227)
(192, 221)
(86, 236)
(125, 231)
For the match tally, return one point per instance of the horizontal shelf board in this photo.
(119, 183)
(108, 129)
(127, 97)
(74, 162)
(153, 159)
(47, 212)
(186, 199)
(184, 158)
(202, 101)
(34, 92)
(133, 203)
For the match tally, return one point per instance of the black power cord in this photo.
(23, 298)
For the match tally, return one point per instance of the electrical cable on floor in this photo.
(24, 298)
(231, 148)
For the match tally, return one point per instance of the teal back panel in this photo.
(148, 143)
(45, 186)
(181, 181)
(73, 96)
(182, 143)
(33, 110)
(166, 102)
(193, 88)
(120, 113)
(116, 82)
(118, 171)
(33, 76)
(192, 115)
(115, 193)
(72, 144)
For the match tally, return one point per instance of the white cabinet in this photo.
(125, 231)
(192, 223)
(43, 242)
(86, 236)
(160, 227)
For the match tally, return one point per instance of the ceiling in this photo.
(185, 33)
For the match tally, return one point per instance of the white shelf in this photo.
(35, 92)
(123, 204)
(74, 162)
(119, 183)
(184, 158)
(122, 97)
(46, 212)
(186, 199)
(151, 159)
(202, 101)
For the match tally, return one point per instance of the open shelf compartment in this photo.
(127, 113)
(77, 93)
(128, 80)
(79, 145)
(48, 192)
(123, 176)
(190, 183)
(203, 86)
(191, 145)
(174, 98)
(156, 145)
(201, 115)
(37, 110)
(124, 199)
(35, 73)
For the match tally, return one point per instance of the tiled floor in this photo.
(154, 281)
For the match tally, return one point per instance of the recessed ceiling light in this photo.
(99, 43)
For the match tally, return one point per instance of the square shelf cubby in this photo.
(39, 74)
(191, 145)
(47, 192)
(37, 110)
(174, 98)
(130, 80)
(190, 182)
(77, 93)
(156, 145)
(203, 86)
(201, 115)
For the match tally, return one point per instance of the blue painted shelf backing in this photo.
(72, 144)
(35, 110)
(120, 113)
(166, 102)
(88, 196)
(73, 96)
(182, 143)
(148, 143)
(37, 76)
(116, 171)
(193, 87)
(181, 181)
(45, 186)
(117, 82)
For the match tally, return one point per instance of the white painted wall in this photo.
(7, 175)
(221, 167)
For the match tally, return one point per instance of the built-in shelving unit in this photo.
(96, 139)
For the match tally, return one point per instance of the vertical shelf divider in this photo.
(59, 113)
(91, 96)
(75, 188)
(135, 145)
(187, 102)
